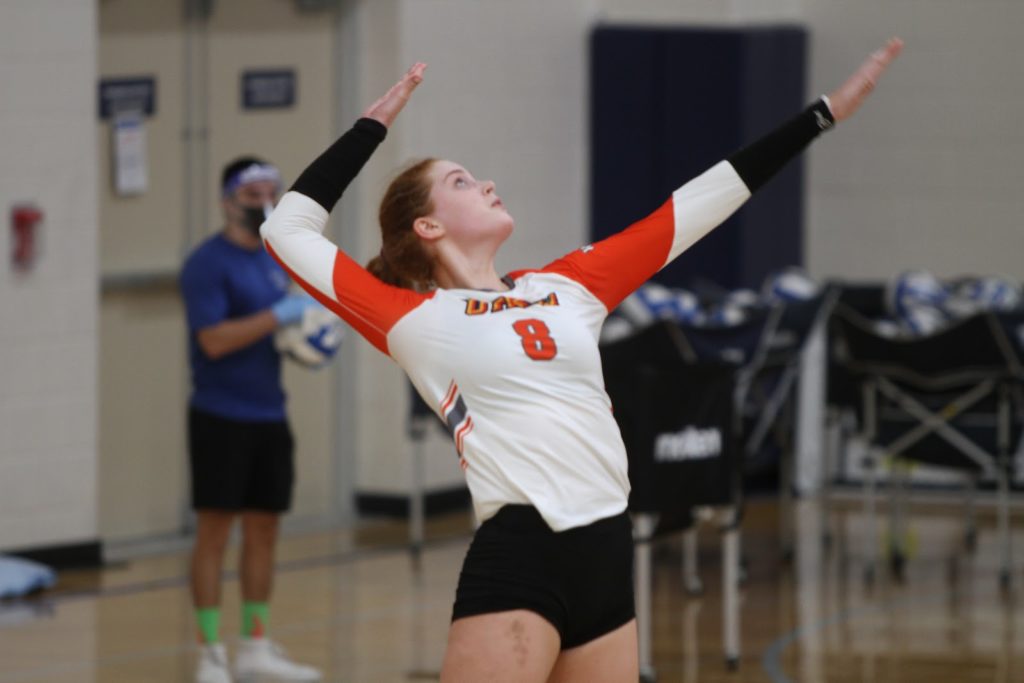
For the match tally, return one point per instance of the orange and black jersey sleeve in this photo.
(293, 234)
(616, 266)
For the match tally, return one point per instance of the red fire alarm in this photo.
(25, 222)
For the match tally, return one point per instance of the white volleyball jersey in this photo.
(515, 375)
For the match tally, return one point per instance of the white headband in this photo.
(251, 174)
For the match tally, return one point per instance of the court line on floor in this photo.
(771, 658)
(44, 602)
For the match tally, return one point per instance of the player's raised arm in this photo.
(616, 266)
(293, 233)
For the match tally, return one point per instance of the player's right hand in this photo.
(387, 107)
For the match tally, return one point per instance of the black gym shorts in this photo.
(580, 580)
(240, 465)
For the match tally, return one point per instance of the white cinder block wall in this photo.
(48, 316)
(927, 176)
(923, 177)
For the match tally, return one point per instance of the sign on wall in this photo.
(136, 94)
(268, 89)
(128, 131)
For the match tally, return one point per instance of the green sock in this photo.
(255, 616)
(208, 619)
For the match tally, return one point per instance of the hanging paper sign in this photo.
(268, 89)
(129, 154)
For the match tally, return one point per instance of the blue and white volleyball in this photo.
(687, 308)
(314, 340)
(726, 315)
(659, 300)
(649, 303)
(744, 298)
(993, 293)
(789, 284)
(636, 309)
(615, 328)
(917, 301)
(735, 309)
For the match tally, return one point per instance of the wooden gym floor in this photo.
(354, 604)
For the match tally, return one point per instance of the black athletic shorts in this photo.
(580, 580)
(240, 465)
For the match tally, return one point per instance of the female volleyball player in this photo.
(511, 365)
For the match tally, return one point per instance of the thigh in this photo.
(218, 463)
(517, 646)
(611, 658)
(272, 468)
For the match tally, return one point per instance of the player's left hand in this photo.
(848, 97)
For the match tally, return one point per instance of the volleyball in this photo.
(687, 308)
(735, 309)
(991, 293)
(659, 300)
(790, 284)
(313, 341)
(917, 300)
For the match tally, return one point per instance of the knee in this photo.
(259, 529)
(213, 530)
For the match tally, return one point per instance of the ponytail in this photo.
(403, 262)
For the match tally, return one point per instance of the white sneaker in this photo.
(213, 664)
(261, 657)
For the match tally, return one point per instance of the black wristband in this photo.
(326, 178)
(758, 162)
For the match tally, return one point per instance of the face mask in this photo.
(253, 218)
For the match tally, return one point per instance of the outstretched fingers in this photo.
(408, 82)
(848, 98)
(879, 61)
(387, 107)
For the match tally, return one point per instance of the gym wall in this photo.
(48, 333)
(926, 175)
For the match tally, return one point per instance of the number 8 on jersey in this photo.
(537, 341)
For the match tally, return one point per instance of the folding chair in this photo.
(950, 399)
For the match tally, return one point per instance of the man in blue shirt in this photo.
(240, 444)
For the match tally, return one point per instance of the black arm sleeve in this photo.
(326, 178)
(758, 162)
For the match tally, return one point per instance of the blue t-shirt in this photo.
(221, 280)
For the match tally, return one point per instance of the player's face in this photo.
(469, 209)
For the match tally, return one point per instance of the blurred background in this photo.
(94, 372)
(117, 116)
